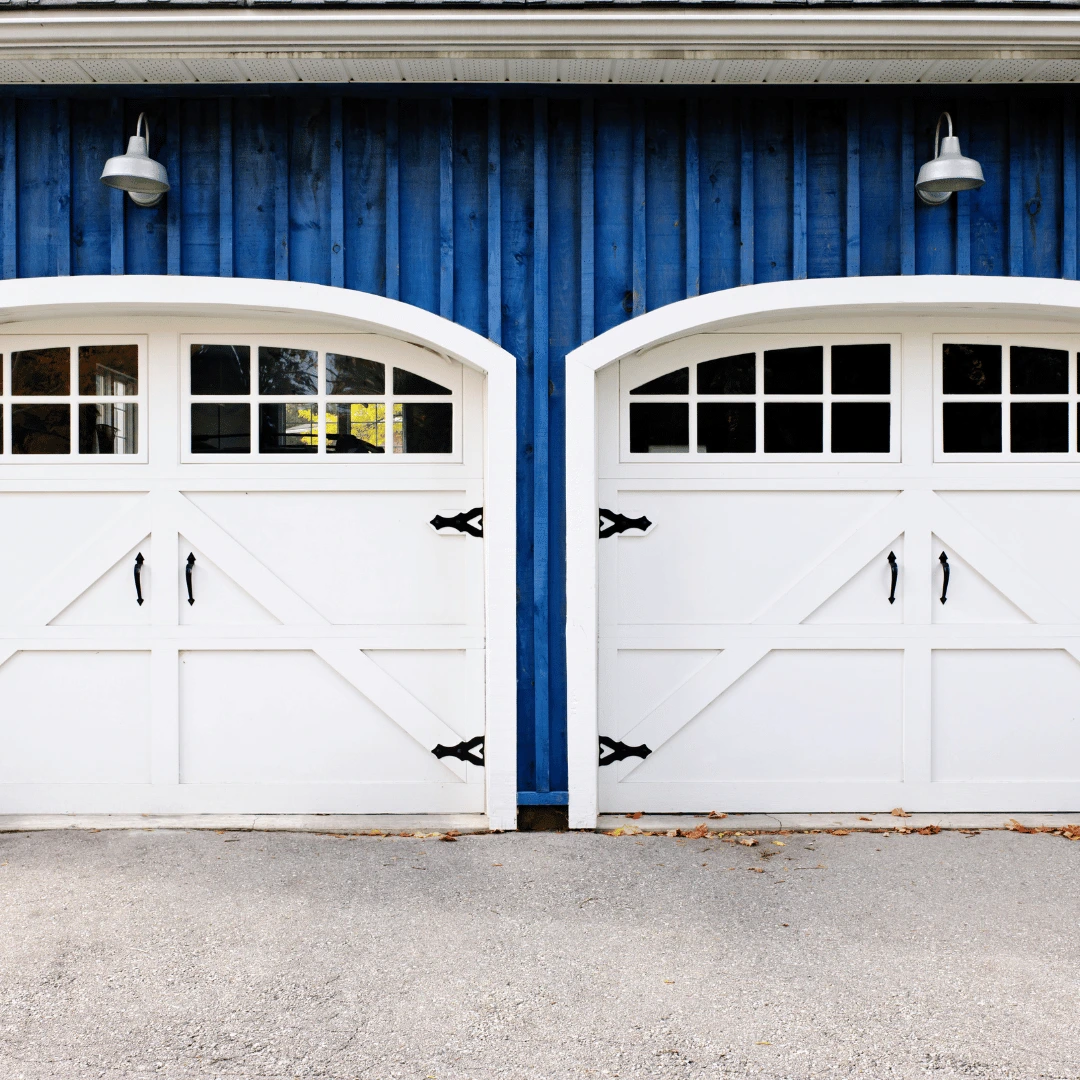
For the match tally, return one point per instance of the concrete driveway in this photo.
(278, 955)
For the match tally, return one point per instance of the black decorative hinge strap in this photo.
(616, 751)
(463, 751)
(463, 522)
(620, 523)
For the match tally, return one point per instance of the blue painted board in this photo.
(825, 125)
(253, 188)
(469, 228)
(613, 265)
(419, 134)
(200, 166)
(363, 124)
(91, 205)
(718, 184)
(665, 202)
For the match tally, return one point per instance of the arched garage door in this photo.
(249, 569)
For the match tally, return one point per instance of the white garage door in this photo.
(837, 572)
(244, 577)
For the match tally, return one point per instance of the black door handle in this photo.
(187, 577)
(944, 560)
(139, 560)
(895, 571)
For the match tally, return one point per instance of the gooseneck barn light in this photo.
(136, 172)
(949, 171)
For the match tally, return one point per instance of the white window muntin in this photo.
(633, 371)
(391, 353)
(1065, 343)
(11, 344)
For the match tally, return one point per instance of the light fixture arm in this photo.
(937, 132)
(143, 123)
(948, 170)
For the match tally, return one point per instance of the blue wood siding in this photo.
(538, 220)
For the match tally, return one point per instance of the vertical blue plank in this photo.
(853, 238)
(541, 448)
(963, 205)
(280, 151)
(692, 211)
(907, 187)
(63, 188)
(746, 193)
(1068, 199)
(665, 202)
(254, 208)
(638, 209)
(393, 211)
(494, 222)
(880, 182)
(225, 188)
(11, 216)
(1016, 191)
(174, 200)
(772, 196)
(469, 225)
(588, 222)
(720, 167)
(308, 191)
(446, 208)
(614, 266)
(988, 212)
(935, 235)
(1041, 198)
(365, 194)
(826, 168)
(116, 198)
(36, 161)
(91, 144)
(146, 228)
(199, 196)
(419, 140)
(798, 190)
(337, 196)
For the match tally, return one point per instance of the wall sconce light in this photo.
(135, 172)
(949, 171)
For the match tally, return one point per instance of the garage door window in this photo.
(824, 400)
(71, 400)
(321, 403)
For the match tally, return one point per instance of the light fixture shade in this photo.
(135, 172)
(950, 170)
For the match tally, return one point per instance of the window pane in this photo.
(970, 428)
(220, 369)
(425, 428)
(861, 428)
(861, 369)
(660, 428)
(354, 375)
(354, 428)
(727, 375)
(109, 428)
(724, 428)
(220, 429)
(40, 429)
(1039, 427)
(407, 382)
(793, 429)
(289, 429)
(41, 371)
(971, 369)
(288, 371)
(794, 371)
(109, 370)
(1038, 371)
(673, 382)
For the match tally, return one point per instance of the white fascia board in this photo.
(492, 32)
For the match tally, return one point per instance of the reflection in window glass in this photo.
(109, 427)
(860, 427)
(1039, 427)
(40, 429)
(672, 382)
(220, 428)
(659, 428)
(971, 369)
(971, 427)
(794, 371)
(793, 429)
(109, 370)
(289, 429)
(355, 428)
(724, 428)
(41, 372)
(861, 369)
(1038, 371)
(727, 375)
(423, 428)
(408, 382)
(354, 375)
(220, 369)
(288, 371)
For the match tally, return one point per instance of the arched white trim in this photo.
(347, 310)
(1012, 297)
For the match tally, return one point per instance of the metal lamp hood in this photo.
(135, 172)
(949, 171)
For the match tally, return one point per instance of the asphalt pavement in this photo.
(203, 955)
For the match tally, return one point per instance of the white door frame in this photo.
(348, 311)
(730, 310)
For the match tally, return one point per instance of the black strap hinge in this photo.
(463, 751)
(620, 523)
(463, 522)
(616, 751)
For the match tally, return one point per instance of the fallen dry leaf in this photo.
(748, 841)
(672, 832)
(450, 837)
(899, 811)
(841, 832)
(635, 815)
(716, 814)
(698, 833)
(763, 1044)
(670, 982)
(903, 829)
(614, 832)
(929, 830)
(1071, 832)
(865, 818)
(779, 843)
(1014, 826)
(756, 869)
